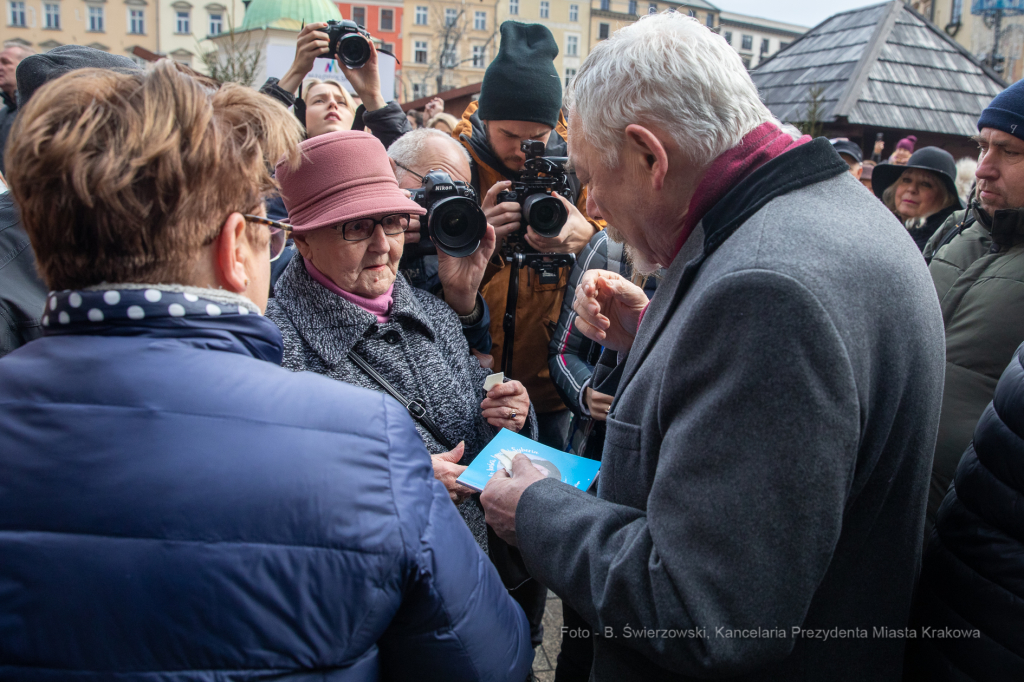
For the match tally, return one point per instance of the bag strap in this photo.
(416, 408)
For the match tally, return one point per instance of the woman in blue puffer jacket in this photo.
(173, 504)
(970, 609)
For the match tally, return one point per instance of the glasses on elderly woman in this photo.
(278, 234)
(358, 230)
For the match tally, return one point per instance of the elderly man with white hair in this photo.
(768, 450)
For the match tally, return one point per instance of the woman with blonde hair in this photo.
(176, 505)
(922, 193)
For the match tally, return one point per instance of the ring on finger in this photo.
(512, 414)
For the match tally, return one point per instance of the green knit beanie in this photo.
(521, 84)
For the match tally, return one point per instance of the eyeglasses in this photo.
(278, 234)
(358, 230)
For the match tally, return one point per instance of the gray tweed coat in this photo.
(421, 351)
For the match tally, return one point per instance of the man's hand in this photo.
(575, 234)
(461, 277)
(447, 469)
(505, 217)
(412, 235)
(366, 81)
(597, 403)
(506, 406)
(312, 42)
(609, 308)
(433, 108)
(501, 497)
(879, 146)
(486, 361)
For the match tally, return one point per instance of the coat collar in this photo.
(331, 325)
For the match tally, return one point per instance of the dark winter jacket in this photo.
(8, 112)
(175, 506)
(767, 453)
(22, 293)
(421, 351)
(922, 233)
(978, 270)
(972, 581)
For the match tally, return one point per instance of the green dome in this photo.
(288, 14)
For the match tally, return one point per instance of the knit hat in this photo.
(343, 176)
(522, 84)
(1006, 111)
(907, 143)
(36, 70)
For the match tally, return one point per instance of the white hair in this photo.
(406, 150)
(670, 71)
(965, 169)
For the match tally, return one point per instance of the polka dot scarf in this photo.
(114, 306)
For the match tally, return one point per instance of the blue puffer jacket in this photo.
(174, 506)
(972, 580)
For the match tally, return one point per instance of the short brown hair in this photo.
(123, 177)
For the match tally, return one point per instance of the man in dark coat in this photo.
(22, 292)
(766, 461)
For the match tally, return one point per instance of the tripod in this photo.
(543, 263)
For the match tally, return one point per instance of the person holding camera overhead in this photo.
(520, 100)
(345, 314)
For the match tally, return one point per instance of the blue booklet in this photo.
(576, 471)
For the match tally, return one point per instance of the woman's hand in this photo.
(506, 406)
(366, 81)
(312, 42)
(433, 108)
(597, 403)
(447, 469)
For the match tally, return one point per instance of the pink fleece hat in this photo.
(343, 176)
(907, 143)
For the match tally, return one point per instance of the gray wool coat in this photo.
(768, 450)
(421, 351)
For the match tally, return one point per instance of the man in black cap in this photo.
(22, 293)
(851, 154)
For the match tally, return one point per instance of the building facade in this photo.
(185, 28)
(756, 39)
(383, 20)
(608, 16)
(977, 35)
(448, 44)
(117, 26)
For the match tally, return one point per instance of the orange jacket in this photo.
(539, 304)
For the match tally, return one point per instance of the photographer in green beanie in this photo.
(521, 99)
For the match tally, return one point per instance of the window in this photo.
(216, 24)
(513, 7)
(710, 21)
(451, 16)
(748, 42)
(359, 15)
(480, 21)
(746, 62)
(632, 7)
(652, 8)
(387, 47)
(418, 90)
(728, 37)
(574, 13)
(783, 46)
(602, 31)
(605, 5)
(17, 14)
(182, 24)
(451, 57)
(691, 13)
(956, 12)
(569, 73)
(387, 19)
(764, 46)
(136, 21)
(421, 15)
(545, 9)
(95, 19)
(52, 15)
(572, 46)
(420, 52)
(479, 56)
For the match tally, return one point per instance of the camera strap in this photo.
(415, 407)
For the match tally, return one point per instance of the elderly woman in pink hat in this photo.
(344, 312)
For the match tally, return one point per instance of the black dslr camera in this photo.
(542, 176)
(347, 44)
(455, 222)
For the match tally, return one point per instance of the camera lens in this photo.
(545, 214)
(353, 51)
(456, 225)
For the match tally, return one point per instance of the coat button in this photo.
(392, 337)
(370, 331)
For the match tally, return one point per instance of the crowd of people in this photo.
(239, 382)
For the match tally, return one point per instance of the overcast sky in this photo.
(801, 12)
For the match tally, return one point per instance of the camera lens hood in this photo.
(456, 225)
(545, 214)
